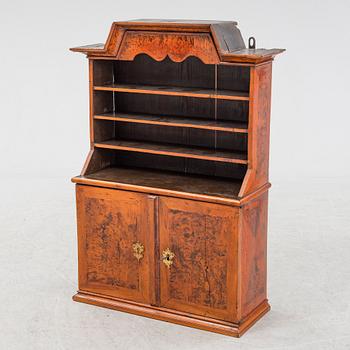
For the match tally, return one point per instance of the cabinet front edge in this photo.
(170, 193)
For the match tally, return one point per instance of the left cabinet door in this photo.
(115, 242)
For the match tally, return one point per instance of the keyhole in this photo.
(168, 258)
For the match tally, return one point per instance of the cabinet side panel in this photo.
(259, 129)
(253, 249)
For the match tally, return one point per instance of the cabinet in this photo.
(172, 199)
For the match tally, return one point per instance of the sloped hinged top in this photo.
(211, 41)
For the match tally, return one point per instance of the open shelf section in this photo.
(175, 151)
(203, 185)
(175, 91)
(218, 125)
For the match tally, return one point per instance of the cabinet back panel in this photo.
(232, 110)
(103, 72)
(235, 78)
(165, 105)
(181, 136)
(146, 71)
(104, 158)
(181, 106)
(181, 165)
(192, 72)
(103, 102)
(104, 130)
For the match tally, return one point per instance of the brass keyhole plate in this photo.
(138, 249)
(167, 257)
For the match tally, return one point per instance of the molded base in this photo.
(195, 321)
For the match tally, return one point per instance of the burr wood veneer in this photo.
(172, 199)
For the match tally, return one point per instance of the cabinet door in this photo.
(115, 242)
(200, 241)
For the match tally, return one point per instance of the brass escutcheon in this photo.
(138, 249)
(167, 257)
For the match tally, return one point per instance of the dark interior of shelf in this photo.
(195, 184)
(176, 106)
(218, 140)
(176, 164)
(191, 73)
(199, 123)
(174, 173)
(148, 148)
(175, 150)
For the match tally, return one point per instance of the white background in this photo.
(44, 142)
(44, 90)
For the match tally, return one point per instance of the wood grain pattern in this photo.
(259, 129)
(161, 191)
(253, 253)
(255, 56)
(170, 181)
(174, 316)
(212, 41)
(203, 276)
(159, 45)
(109, 222)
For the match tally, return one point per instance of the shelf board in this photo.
(228, 126)
(176, 91)
(175, 150)
(171, 181)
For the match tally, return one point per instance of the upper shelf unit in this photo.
(189, 109)
(174, 106)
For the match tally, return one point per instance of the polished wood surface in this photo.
(210, 186)
(172, 200)
(109, 223)
(224, 36)
(181, 318)
(203, 277)
(253, 242)
(161, 191)
(159, 45)
(259, 130)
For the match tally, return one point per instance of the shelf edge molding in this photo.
(181, 122)
(178, 91)
(175, 151)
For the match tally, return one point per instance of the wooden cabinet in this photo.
(172, 199)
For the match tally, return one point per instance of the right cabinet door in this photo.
(198, 253)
